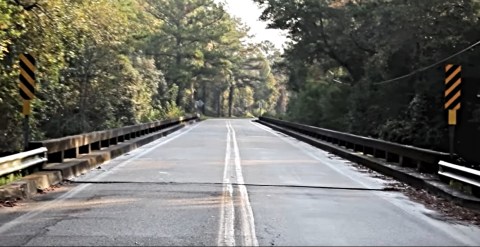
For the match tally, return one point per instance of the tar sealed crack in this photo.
(388, 188)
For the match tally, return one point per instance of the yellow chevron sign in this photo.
(453, 92)
(27, 81)
(453, 82)
(27, 76)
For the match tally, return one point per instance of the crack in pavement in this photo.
(384, 189)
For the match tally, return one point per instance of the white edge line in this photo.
(333, 167)
(391, 202)
(51, 204)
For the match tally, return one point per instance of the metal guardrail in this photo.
(20, 161)
(424, 160)
(72, 146)
(459, 173)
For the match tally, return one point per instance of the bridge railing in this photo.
(465, 175)
(424, 160)
(21, 161)
(73, 146)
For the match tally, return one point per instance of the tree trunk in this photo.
(193, 97)
(204, 97)
(219, 104)
(178, 62)
(230, 100)
(83, 90)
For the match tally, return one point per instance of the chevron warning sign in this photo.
(27, 81)
(453, 91)
(27, 76)
(453, 83)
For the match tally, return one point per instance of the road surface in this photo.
(228, 182)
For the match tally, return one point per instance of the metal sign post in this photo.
(27, 91)
(453, 82)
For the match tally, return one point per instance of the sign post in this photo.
(27, 91)
(453, 82)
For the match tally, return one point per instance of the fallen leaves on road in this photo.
(49, 189)
(9, 203)
(448, 209)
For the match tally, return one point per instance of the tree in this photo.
(104, 64)
(343, 48)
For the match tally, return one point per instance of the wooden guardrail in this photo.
(72, 146)
(424, 160)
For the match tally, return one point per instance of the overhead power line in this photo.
(429, 66)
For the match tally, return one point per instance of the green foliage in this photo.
(200, 49)
(105, 64)
(359, 43)
(8, 178)
(320, 104)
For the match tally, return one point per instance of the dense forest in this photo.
(109, 63)
(344, 53)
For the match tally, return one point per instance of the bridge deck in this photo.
(226, 182)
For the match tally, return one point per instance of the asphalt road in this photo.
(228, 182)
